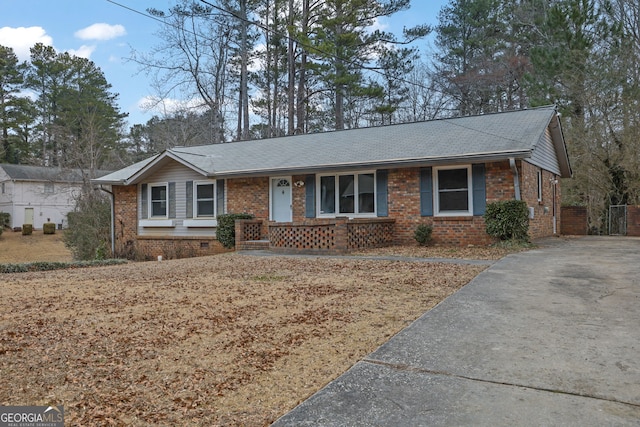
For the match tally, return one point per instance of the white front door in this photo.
(281, 199)
(28, 216)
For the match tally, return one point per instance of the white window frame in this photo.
(354, 214)
(196, 214)
(150, 188)
(539, 175)
(49, 188)
(436, 192)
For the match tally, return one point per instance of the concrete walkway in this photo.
(548, 337)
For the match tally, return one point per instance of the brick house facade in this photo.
(404, 215)
(304, 203)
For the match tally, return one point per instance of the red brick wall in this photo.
(575, 220)
(298, 196)
(499, 181)
(542, 223)
(125, 220)
(404, 207)
(460, 231)
(633, 220)
(404, 203)
(177, 247)
(248, 195)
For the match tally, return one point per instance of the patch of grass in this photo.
(48, 265)
(268, 278)
(514, 245)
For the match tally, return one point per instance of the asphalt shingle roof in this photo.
(500, 135)
(42, 173)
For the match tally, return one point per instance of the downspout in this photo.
(516, 177)
(113, 225)
(554, 183)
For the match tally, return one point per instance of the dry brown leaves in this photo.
(443, 251)
(226, 340)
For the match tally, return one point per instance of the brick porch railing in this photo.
(325, 236)
(250, 235)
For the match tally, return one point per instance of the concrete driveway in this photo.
(549, 337)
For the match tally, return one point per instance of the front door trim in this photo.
(276, 184)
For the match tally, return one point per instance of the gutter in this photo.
(112, 225)
(396, 163)
(516, 177)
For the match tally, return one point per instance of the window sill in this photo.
(348, 216)
(453, 218)
(156, 223)
(200, 223)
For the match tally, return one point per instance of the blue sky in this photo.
(107, 33)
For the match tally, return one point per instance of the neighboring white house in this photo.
(35, 195)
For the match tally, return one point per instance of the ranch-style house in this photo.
(339, 191)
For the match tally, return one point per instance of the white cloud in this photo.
(168, 106)
(21, 39)
(83, 51)
(380, 24)
(101, 32)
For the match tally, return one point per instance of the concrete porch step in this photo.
(253, 245)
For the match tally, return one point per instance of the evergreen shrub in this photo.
(5, 218)
(507, 220)
(423, 234)
(226, 230)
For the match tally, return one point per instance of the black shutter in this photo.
(310, 196)
(189, 199)
(479, 189)
(426, 192)
(144, 204)
(220, 196)
(172, 200)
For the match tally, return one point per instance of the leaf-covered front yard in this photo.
(225, 340)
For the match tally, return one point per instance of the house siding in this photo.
(53, 207)
(545, 155)
(174, 172)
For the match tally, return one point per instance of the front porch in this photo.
(317, 236)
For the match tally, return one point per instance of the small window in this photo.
(48, 188)
(158, 199)
(539, 186)
(366, 193)
(327, 195)
(205, 200)
(3, 188)
(453, 191)
(348, 194)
